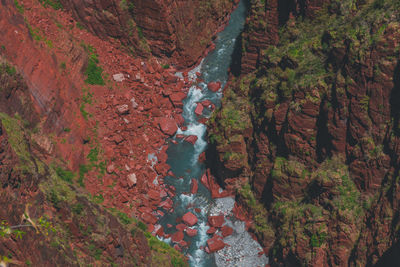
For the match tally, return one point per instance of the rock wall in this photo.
(178, 30)
(316, 134)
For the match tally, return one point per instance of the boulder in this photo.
(111, 168)
(214, 86)
(190, 219)
(191, 139)
(199, 109)
(134, 104)
(216, 221)
(226, 231)
(191, 232)
(177, 97)
(132, 180)
(119, 77)
(168, 126)
(211, 231)
(194, 186)
(214, 244)
(181, 227)
(177, 237)
(123, 109)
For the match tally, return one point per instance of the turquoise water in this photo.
(183, 157)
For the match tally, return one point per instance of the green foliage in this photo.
(261, 224)
(65, 175)
(19, 7)
(124, 218)
(86, 99)
(167, 253)
(142, 226)
(83, 169)
(165, 66)
(77, 208)
(10, 70)
(55, 4)
(63, 66)
(140, 32)
(95, 251)
(98, 198)
(94, 72)
(317, 239)
(80, 26)
(17, 140)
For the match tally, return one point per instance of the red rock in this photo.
(180, 136)
(214, 244)
(199, 109)
(110, 168)
(190, 219)
(216, 221)
(198, 74)
(169, 225)
(160, 232)
(148, 218)
(226, 231)
(197, 210)
(150, 228)
(168, 126)
(153, 194)
(183, 243)
(177, 237)
(191, 232)
(181, 227)
(202, 120)
(194, 186)
(123, 109)
(191, 139)
(132, 180)
(202, 157)
(239, 213)
(214, 86)
(211, 230)
(206, 103)
(184, 128)
(204, 181)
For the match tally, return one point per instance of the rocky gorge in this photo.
(104, 156)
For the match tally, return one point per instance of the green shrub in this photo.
(19, 7)
(77, 208)
(55, 4)
(93, 71)
(65, 175)
(83, 169)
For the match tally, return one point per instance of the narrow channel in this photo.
(241, 250)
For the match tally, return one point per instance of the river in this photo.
(242, 250)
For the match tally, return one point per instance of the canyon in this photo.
(201, 133)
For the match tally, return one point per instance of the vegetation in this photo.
(19, 7)
(93, 72)
(65, 175)
(55, 4)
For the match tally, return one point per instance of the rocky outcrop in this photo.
(319, 146)
(161, 28)
(45, 219)
(263, 23)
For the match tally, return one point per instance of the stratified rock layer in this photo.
(308, 135)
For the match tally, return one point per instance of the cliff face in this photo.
(45, 219)
(316, 134)
(86, 93)
(161, 28)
